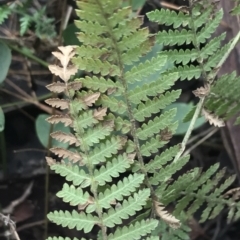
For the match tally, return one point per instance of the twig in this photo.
(7, 221)
(199, 135)
(29, 55)
(200, 141)
(9, 209)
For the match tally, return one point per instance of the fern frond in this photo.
(159, 86)
(98, 67)
(57, 87)
(152, 146)
(58, 103)
(25, 22)
(71, 173)
(114, 104)
(187, 72)
(63, 153)
(176, 37)
(128, 208)
(182, 56)
(167, 17)
(101, 84)
(101, 131)
(154, 126)
(210, 28)
(122, 189)
(106, 149)
(135, 231)
(155, 105)
(5, 11)
(112, 169)
(73, 195)
(80, 221)
(162, 159)
(110, 111)
(167, 172)
(166, 216)
(143, 70)
(224, 104)
(65, 119)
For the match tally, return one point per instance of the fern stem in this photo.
(190, 129)
(235, 41)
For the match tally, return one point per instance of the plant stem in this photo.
(29, 55)
(190, 129)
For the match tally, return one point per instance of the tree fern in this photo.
(115, 127)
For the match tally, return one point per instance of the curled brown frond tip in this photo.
(166, 216)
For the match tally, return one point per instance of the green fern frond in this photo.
(140, 94)
(118, 192)
(71, 173)
(73, 195)
(210, 28)
(168, 18)
(106, 150)
(128, 208)
(198, 33)
(222, 103)
(25, 22)
(154, 126)
(135, 231)
(80, 221)
(176, 37)
(165, 173)
(236, 10)
(101, 84)
(174, 234)
(5, 11)
(112, 169)
(143, 70)
(112, 111)
(162, 159)
(155, 105)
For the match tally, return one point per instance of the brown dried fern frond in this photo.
(63, 153)
(58, 103)
(166, 216)
(65, 137)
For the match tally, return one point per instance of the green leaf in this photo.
(5, 60)
(69, 35)
(182, 110)
(43, 129)
(2, 120)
